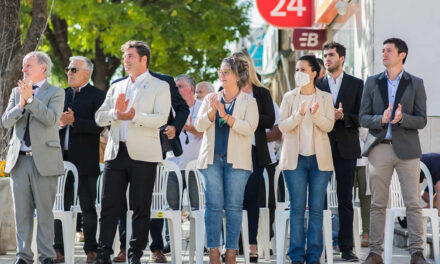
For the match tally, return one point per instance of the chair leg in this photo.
(356, 231)
(200, 238)
(245, 236)
(388, 240)
(435, 235)
(327, 228)
(68, 227)
(128, 232)
(34, 239)
(192, 239)
(266, 232)
(280, 235)
(176, 237)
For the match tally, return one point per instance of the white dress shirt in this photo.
(130, 93)
(335, 86)
(23, 146)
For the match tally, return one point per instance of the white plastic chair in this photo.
(332, 204)
(197, 222)
(282, 215)
(397, 208)
(67, 218)
(160, 209)
(263, 237)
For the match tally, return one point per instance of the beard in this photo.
(333, 68)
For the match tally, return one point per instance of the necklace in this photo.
(232, 99)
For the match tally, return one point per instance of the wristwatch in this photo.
(30, 100)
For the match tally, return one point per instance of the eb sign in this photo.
(286, 13)
(308, 39)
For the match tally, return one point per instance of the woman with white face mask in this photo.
(306, 116)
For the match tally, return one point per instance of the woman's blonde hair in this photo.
(253, 78)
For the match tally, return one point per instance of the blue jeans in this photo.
(224, 190)
(306, 174)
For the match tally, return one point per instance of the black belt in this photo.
(26, 153)
(386, 141)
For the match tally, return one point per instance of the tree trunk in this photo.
(12, 51)
(105, 67)
(57, 38)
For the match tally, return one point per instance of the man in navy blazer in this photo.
(346, 91)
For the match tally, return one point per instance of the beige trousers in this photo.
(382, 162)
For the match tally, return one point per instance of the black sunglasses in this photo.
(73, 69)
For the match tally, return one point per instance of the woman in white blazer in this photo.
(306, 116)
(228, 118)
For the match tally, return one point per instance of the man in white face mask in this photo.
(346, 91)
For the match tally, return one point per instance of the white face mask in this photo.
(301, 78)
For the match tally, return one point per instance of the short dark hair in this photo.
(311, 59)
(142, 48)
(340, 49)
(240, 67)
(400, 45)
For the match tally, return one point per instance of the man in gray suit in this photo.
(34, 157)
(393, 107)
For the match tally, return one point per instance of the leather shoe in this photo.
(121, 256)
(59, 258)
(349, 256)
(158, 257)
(418, 258)
(20, 261)
(373, 258)
(101, 259)
(91, 256)
(134, 260)
(48, 261)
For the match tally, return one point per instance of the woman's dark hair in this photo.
(313, 64)
(240, 68)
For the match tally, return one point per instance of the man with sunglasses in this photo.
(79, 136)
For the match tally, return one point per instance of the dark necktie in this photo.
(26, 137)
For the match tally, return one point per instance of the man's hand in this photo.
(25, 91)
(339, 112)
(125, 115)
(314, 108)
(170, 131)
(397, 115)
(121, 104)
(387, 114)
(191, 129)
(67, 118)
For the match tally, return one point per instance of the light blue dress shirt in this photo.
(392, 89)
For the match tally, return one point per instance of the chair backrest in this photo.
(159, 199)
(266, 187)
(428, 179)
(332, 197)
(192, 166)
(396, 199)
(59, 198)
(281, 205)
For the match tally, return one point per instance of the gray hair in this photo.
(209, 87)
(188, 79)
(42, 58)
(88, 64)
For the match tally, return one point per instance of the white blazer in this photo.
(152, 105)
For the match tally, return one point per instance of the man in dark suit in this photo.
(172, 130)
(344, 138)
(79, 136)
(394, 108)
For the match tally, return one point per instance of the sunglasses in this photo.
(73, 70)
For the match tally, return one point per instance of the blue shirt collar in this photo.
(398, 77)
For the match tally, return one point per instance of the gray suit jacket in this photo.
(44, 112)
(411, 95)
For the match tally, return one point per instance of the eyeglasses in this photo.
(73, 69)
(225, 72)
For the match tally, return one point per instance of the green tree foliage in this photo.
(186, 36)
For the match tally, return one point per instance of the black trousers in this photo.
(250, 202)
(345, 170)
(118, 173)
